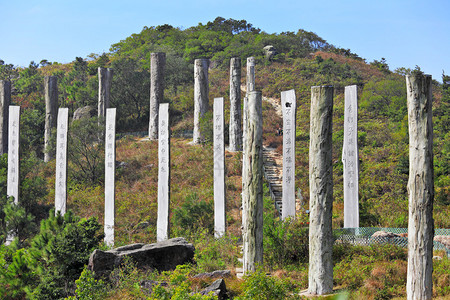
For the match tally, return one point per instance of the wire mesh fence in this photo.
(398, 236)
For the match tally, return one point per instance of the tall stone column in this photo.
(5, 101)
(419, 283)
(250, 74)
(51, 110)
(158, 63)
(105, 76)
(289, 108)
(162, 223)
(320, 276)
(219, 169)
(110, 173)
(350, 158)
(61, 162)
(252, 194)
(12, 186)
(201, 95)
(235, 143)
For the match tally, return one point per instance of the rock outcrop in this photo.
(162, 256)
(84, 112)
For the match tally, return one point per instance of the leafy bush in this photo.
(260, 286)
(285, 242)
(193, 215)
(88, 288)
(215, 253)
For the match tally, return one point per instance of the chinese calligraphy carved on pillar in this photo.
(219, 169)
(350, 158)
(162, 230)
(61, 161)
(110, 170)
(289, 105)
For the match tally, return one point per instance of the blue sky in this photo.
(405, 32)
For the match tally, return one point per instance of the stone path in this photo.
(273, 164)
(273, 172)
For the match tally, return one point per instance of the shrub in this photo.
(215, 253)
(285, 242)
(193, 214)
(260, 286)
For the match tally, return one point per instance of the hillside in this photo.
(303, 60)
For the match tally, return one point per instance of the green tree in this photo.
(85, 151)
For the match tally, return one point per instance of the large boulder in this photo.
(162, 256)
(270, 52)
(443, 239)
(84, 112)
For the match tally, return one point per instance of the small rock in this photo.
(214, 274)
(149, 284)
(218, 288)
(121, 164)
(142, 225)
(384, 234)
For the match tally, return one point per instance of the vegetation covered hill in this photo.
(304, 59)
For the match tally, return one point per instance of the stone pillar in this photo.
(250, 74)
(61, 162)
(5, 101)
(350, 158)
(252, 194)
(419, 283)
(110, 171)
(13, 153)
(105, 76)
(51, 107)
(12, 188)
(320, 276)
(289, 108)
(201, 94)
(219, 169)
(244, 166)
(162, 230)
(235, 105)
(158, 63)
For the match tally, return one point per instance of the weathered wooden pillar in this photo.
(105, 76)
(201, 96)
(163, 225)
(320, 277)
(5, 101)
(419, 283)
(350, 158)
(158, 63)
(51, 111)
(289, 108)
(219, 169)
(61, 161)
(110, 171)
(235, 143)
(252, 194)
